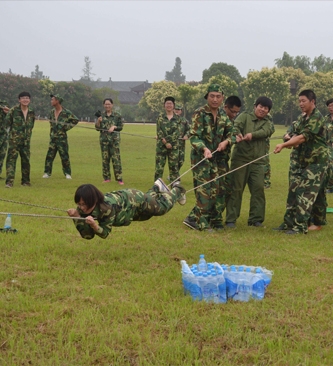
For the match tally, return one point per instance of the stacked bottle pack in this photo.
(212, 282)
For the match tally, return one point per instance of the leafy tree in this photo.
(285, 61)
(303, 63)
(198, 99)
(47, 86)
(154, 97)
(186, 94)
(221, 68)
(87, 70)
(322, 64)
(102, 93)
(37, 74)
(176, 74)
(271, 83)
(229, 86)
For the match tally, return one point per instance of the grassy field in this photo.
(119, 301)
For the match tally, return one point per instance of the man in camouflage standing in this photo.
(329, 129)
(306, 202)
(210, 134)
(3, 133)
(61, 121)
(110, 123)
(184, 134)
(20, 121)
(167, 144)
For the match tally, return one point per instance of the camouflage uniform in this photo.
(306, 200)
(3, 135)
(184, 131)
(267, 168)
(110, 145)
(205, 133)
(20, 130)
(329, 131)
(170, 131)
(253, 174)
(120, 208)
(58, 140)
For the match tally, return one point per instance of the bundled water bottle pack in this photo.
(212, 282)
(8, 226)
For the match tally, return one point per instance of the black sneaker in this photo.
(230, 225)
(191, 223)
(291, 232)
(256, 224)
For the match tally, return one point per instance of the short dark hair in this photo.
(24, 94)
(109, 99)
(310, 94)
(329, 102)
(265, 102)
(233, 101)
(171, 99)
(90, 195)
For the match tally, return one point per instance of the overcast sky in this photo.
(139, 40)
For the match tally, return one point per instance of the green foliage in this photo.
(119, 301)
(154, 97)
(87, 70)
(271, 83)
(222, 68)
(229, 86)
(176, 74)
(186, 94)
(38, 74)
(102, 93)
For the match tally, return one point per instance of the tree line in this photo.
(281, 83)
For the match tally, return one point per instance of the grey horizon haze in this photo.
(140, 40)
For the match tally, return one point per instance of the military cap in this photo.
(58, 97)
(213, 88)
(172, 99)
(179, 106)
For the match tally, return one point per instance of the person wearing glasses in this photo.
(252, 128)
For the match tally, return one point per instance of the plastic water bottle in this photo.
(245, 288)
(258, 285)
(190, 282)
(214, 289)
(239, 280)
(202, 265)
(231, 282)
(195, 288)
(8, 222)
(267, 276)
(222, 287)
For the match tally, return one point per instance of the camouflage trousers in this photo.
(329, 180)
(306, 201)
(253, 176)
(162, 154)
(58, 144)
(181, 154)
(206, 212)
(14, 150)
(111, 151)
(153, 203)
(3, 148)
(225, 185)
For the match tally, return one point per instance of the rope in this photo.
(189, 169)
(33, 205)
(37, 215)
(100, 129)
(231, 171)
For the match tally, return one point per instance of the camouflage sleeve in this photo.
(9, 119)
(85, 230)
(187, 128)
(71, 121)
(230, 132)
(119, 123)
(173, 131)
(197, 131)
(159, 131)
(312, 126)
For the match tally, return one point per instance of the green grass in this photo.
(119, 301)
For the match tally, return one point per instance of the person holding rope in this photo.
(252, 128)
(210, 133)
(110, 123)
(306, 201)
(120, 208)
(61, 121)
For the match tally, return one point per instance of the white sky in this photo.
(139, 40)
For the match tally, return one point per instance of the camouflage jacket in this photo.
(168, 129)
(205, 133)
(20, 129)
(117, 210)
(314, 149)
(261, 129)
(329, 130)
(114, 119)
(3, 129)
(66, 121)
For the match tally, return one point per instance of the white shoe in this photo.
(182, 199)
(45, 175)
(162, 187)
(68, 176)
